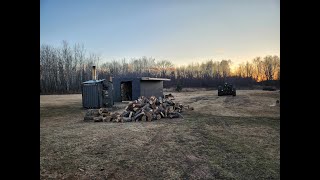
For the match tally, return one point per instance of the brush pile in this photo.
(142, 109)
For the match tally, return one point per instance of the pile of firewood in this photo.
(143, 109)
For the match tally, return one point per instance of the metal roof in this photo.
(93, 81)
(154, 79)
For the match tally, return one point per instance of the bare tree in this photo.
(276, 64)
(115, 68)
(241, 70)
(163, 66)
(268, 67)
(63, 69)
(258, 68)
(225, 68)
(125, 67)
(249, 69)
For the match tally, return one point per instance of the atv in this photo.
(226, 89)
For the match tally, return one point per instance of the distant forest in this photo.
(63, 69)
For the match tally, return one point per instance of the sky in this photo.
(182, 31)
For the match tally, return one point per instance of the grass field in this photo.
(223, 138)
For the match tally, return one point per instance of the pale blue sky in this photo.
(178, 30)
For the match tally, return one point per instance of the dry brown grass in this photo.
(223, 138)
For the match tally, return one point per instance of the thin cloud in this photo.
(219, 51)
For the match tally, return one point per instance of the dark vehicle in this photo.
(226, 89)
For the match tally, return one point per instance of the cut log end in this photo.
(88, 118)
(98, 119)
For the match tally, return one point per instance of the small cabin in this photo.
(130, 88)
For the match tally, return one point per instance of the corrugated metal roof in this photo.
(93, 81)
(154, 79)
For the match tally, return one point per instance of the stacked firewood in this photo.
(142, 109)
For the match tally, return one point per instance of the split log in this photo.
(88, 113)
(88, 118)
(156, 116)
(153, 106)
(146, 107)
(170, 103)
(105, 114)
(100, 111)
(114, 116)
(130, 114)
(107, 119)
(160, 110)
(120, 119)
(176, 107)
(126, 119)
(138, 112)
(165, 105)
(93, 112)
(138, 116)
(175, 115)
(140, 99)
(148, 115)
(153, 98)
(167, 111)
(98, 119)
(117, 118)
(125, 114)
(138, 105)
(103, 110)
(129, 107)
(146, 101)
(157, 102)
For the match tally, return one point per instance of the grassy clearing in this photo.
(238, 147)
(56, 111)
(201, 146)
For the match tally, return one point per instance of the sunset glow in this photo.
(182, 32)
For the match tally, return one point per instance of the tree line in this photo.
(64, 68)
